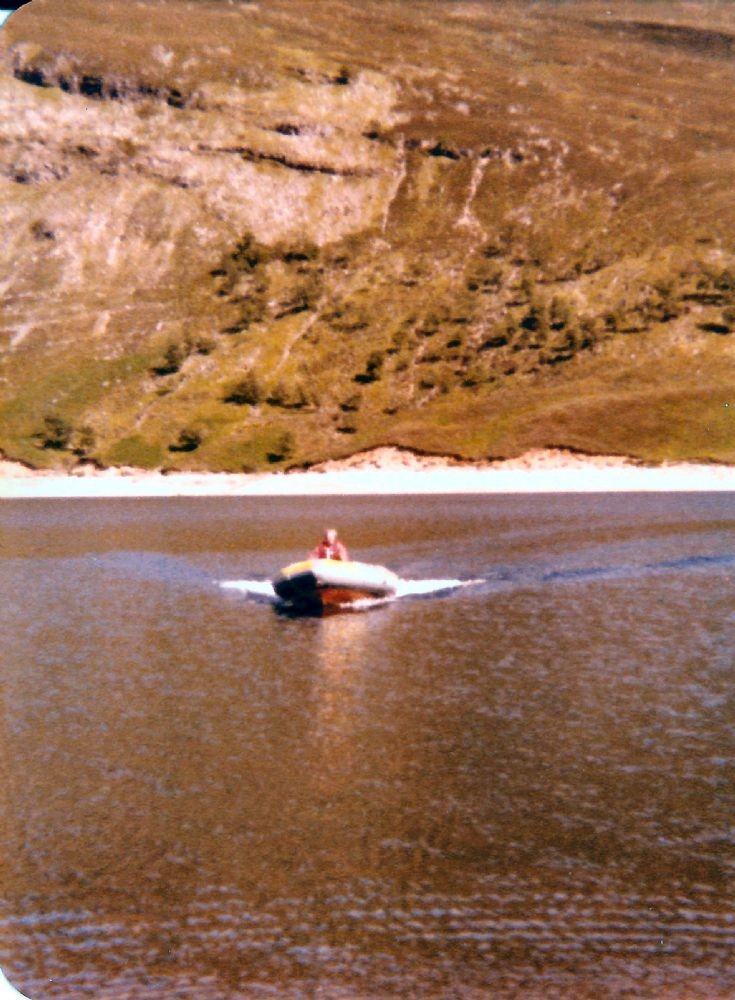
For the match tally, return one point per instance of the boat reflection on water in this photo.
(340, 654)
(337, 738)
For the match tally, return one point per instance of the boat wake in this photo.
(261, 591)
(257, 590)
(431, 588)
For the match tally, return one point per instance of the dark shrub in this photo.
(188, 440)
(282, 449)
(56, 433)
(244, 392)
(173, 358)
(83, 441)
(372, 368)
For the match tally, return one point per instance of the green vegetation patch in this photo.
(136, 451)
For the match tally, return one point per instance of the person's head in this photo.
(330, 535)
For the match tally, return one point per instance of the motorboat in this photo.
(315, 584)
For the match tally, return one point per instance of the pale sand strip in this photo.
(382, 471)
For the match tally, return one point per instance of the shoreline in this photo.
(382, 471)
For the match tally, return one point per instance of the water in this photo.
(522, 787)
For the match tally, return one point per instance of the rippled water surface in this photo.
(519, 788)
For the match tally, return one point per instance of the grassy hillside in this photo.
(239, 236)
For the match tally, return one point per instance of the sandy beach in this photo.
(381, 471)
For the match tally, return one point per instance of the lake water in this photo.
(520, 788)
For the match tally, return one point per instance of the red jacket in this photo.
(326, 551)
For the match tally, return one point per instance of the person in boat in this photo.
(330, 547)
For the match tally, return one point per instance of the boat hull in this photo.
(333, 583)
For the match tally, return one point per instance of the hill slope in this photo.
(248, 235)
